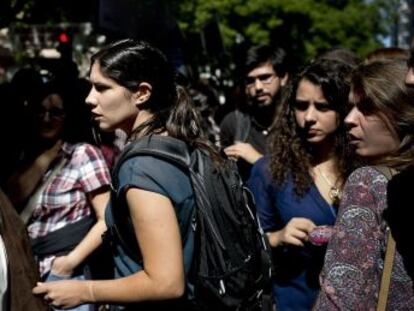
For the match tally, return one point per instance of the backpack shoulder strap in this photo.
(166, 148)
(243, 125)
(163, 147)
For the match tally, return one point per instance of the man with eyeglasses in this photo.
(245, 130)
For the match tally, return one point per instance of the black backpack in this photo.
(232, 261)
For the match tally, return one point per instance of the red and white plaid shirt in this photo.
(64, 200)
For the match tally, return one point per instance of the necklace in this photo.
(334, 193)
(263, 129)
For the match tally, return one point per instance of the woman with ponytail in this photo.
(134, 89)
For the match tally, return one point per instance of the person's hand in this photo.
(65, 294)
(50, 154)
(244, 151)
(296, 232)
(63, 266)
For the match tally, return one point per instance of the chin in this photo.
(315, 140)
(365, 154)
(50, 135)
(264, 104)
(105, 127)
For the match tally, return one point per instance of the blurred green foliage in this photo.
(306, 27)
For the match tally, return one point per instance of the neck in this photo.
(141, 117)
(264, 116)
(325, 160)
(323, 152)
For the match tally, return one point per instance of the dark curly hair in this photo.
(290, 153)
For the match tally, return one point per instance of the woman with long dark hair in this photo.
(134, 89)
(297, 188)
(62, 186)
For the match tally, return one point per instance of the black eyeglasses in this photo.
(266, 78)
(55, 113)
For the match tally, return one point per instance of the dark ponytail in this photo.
(184, 123)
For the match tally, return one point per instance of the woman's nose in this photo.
(310, 114)
(409, 78)
(90, 100)
(350, 119)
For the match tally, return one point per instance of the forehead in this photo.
(52, 100)
(356, 95)
(307, 89)
(96, 75)
(261, 69)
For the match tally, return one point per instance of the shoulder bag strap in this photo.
(27, 212)
(243, 125)
(389, 253)
(386, 273)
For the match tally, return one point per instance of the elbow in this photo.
(172, 289)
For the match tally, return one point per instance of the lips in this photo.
(312, 132)
(95, 116)
(353, 139)
(262, 96)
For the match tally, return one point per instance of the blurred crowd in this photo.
(311, 142)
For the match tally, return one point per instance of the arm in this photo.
(159, 238)
(22, 184)
(350, 276)
(65, 265)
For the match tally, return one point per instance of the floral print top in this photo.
(351, 276)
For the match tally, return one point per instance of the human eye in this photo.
(265, 78)
(99, 87)
(323, 107)
(365, 107)
(56, 112)
(249, 80)
(301, 105)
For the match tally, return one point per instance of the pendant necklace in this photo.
(263, 129)
(334, 191)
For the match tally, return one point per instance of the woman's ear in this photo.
(143, 93)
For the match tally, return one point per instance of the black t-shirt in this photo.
(234, 126)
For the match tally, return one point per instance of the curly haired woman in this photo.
(297, 187)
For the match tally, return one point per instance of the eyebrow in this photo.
(316, 102)
(100, 84)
